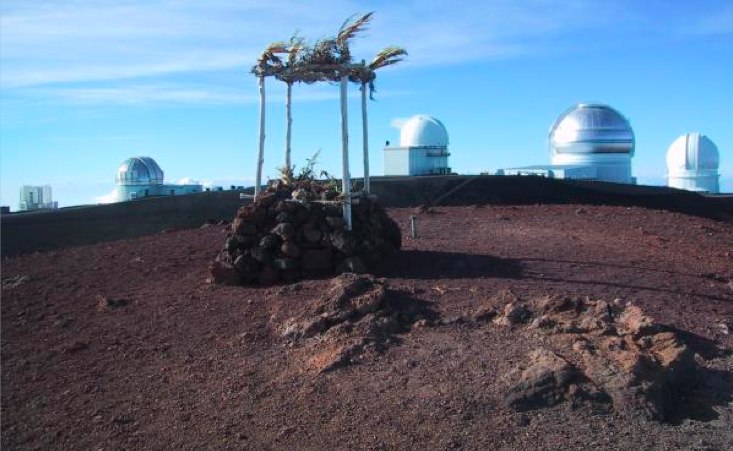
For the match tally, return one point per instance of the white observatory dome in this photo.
(139, 171)
(692, 163)
(423, 131)
(597, 135)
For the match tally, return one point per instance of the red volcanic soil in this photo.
(125, 345)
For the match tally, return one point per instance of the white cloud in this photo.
(45, 42)
(138, 94)
(170, 93)
(129, 51)
(187, 181)
(398, 122)
(108, 198)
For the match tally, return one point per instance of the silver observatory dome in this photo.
(139, 171)
(589, 128)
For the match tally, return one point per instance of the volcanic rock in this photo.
(223, 273)
(639, 365)
(290, 249)
(305, 238)
(353, 265)
(284, 230)
(269, 241)
(285, 264)
(312, 236)
(105, 303)
(513, 313)
(317, 261)
(543, 383)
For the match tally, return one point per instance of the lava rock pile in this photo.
(281, 237)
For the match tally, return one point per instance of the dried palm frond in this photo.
(297, 43)
(349, 30)
(269, 63)
(289, 72)
(388, 57)
(326, 60)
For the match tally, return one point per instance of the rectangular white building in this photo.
(36, 198)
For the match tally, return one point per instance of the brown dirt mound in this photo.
(358, 314)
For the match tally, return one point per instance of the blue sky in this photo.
(88, 83)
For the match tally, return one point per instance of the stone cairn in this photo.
(288, 234)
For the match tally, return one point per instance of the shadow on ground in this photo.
(410, 309)
(712, 387)
(416, 264)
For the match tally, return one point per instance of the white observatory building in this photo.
(692, 164)
(423, 148)
(36, 198)
(140, 177)
(589, 141)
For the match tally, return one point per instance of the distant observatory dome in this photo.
(423, 131)
(692, 163)
(139, 171)
(590, 134)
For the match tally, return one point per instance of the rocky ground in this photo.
(563, 327)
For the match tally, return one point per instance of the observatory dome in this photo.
(692, 152)
(692, 163)
(423, 131)
(139, 171)
(591, 129)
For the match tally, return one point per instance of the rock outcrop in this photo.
(617, 351)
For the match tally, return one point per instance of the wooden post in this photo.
(365, 131)
(346, 177)
(261, 152)
(288, 123)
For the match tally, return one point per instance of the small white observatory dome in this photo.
(139, 171)
(692, 163)
(423, 131)
(592, 134)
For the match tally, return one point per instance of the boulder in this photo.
(290, 249)
(284, 230)
(312, 236)
(223, 273)
(269, 241)
(512, 314)
(317, 261)
(285, 264)
(353, 265)
(544, 383)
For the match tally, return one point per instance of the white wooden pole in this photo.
(346, 177)
(288, 124)
(261, 152)
(365, 131)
